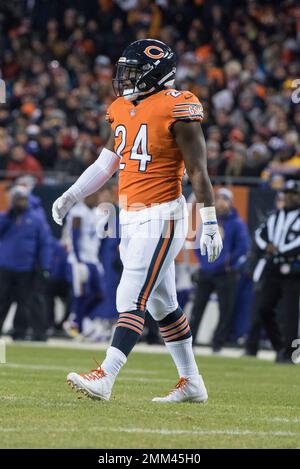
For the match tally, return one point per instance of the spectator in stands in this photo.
(214, 157)
(221, 276)
(38, 305)
(25, 247)
(286, 162)
(257, 157)
(236, 161)
(4, 155)
(35, 203)
(47, 150)
(21, 163)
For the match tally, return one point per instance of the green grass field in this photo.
(252, 404)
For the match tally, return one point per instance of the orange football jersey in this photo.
(151, 166)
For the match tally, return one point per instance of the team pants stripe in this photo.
(170, 326)
(178, 336)
(130, 326)
(157, 261)
(131, 321)
(132, 316)
(175, 327)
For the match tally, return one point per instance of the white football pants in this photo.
(150, 240)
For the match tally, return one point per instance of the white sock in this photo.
(183, 357)
(113, 361)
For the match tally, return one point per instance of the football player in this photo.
(155, 133)
(84, 269)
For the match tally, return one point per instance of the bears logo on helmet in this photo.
(145, 66)
(155, 55)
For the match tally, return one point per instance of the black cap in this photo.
(46, 133)
(292, 186)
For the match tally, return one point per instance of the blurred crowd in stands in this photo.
(239, 57)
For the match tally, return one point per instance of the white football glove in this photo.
(61, 207)
(210, 241)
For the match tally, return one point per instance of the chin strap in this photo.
(136, 94)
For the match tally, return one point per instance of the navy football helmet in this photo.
(146, 66)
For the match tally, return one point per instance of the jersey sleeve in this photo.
(186, 106)
(109, 114)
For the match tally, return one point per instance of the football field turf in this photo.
(252, 404)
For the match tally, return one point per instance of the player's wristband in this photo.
(208, 215)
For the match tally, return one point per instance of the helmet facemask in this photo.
(128, 81)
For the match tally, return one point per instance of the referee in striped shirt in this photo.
(278, 240)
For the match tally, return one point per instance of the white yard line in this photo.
(237, 432)
(282, 420)
(143, 348)
(28, 366)
(31, 366)
(161, 431)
